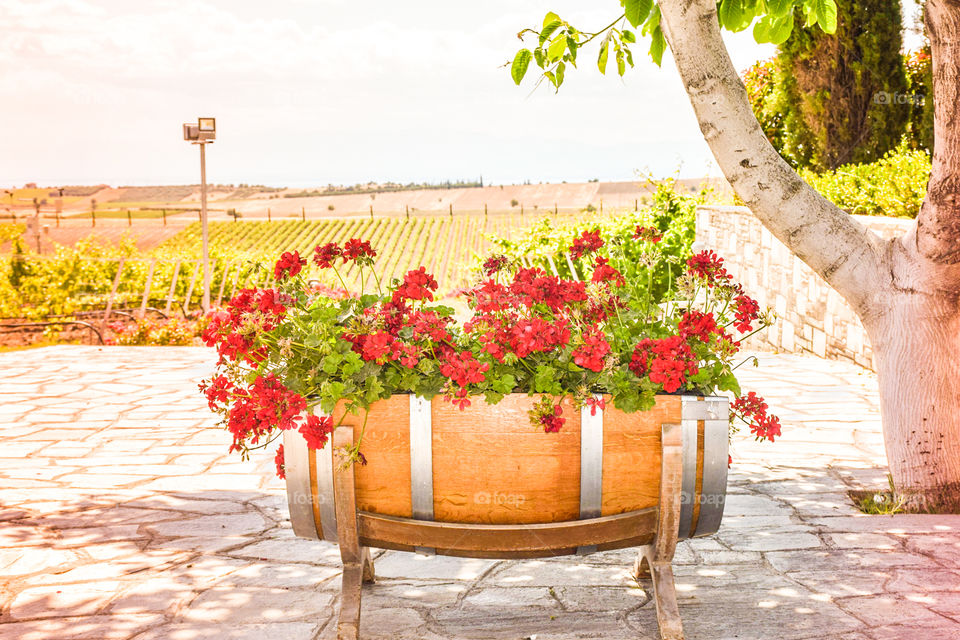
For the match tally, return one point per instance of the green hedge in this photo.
(894, 185)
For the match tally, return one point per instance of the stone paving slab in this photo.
(122, 516)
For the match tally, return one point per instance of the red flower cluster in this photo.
(745, 311)
(255, 411)
(533, 286)
(537, 335)
(354, 249)
(587, 243)
(603, 272)
(752, 409)
(593, 351)
(667, 361)
(289, 265)
(494, 264)
(464, 369)
(708, 266)
(316, 430)
(650, 234)
(325, 255)
(417, 285)
(547, 415)
(279, 461)
(234, 331)
(359, 251)
(699, 325)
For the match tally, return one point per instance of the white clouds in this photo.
(320, 91)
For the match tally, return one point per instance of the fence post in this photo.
(269, 218)
(636, 206)
(113, 293)
(58, 218)
(146, 288)
(93, 218)
(223, 280)
(556, 210)
(129, 219)
(199, 217)
(408, 211)
(521, 208)
(173, 286)
(163, 212)
(484, 208)
(303, 213)
(601, 205)
(371, 212)
(193, 281)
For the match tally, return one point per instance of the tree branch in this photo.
(830, 241)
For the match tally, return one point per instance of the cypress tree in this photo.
(844, 97)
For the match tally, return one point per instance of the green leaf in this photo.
(637, 10)
(826, 12)
(520, 63)
(602, 60)
(548, 30)
(550, 17)
(621, 66)
(545, 379)
(629, 36)
(779, 8)
(657, 45)
(559, 75)
(556, 48)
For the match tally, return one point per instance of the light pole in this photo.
(203, 133)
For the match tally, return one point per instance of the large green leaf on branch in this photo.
(520, 63)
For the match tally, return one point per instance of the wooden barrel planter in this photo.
(484, 483)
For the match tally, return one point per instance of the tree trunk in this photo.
(914, 328)
(906, 291)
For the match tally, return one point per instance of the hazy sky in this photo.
(310, 92)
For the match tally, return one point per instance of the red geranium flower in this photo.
(650, 234)
(289, 265)
(358, 250)
(587, 243)
(417, 285)
(591, 353)
(316, 430)
(603, 272)
(278, 460)
(325, 255)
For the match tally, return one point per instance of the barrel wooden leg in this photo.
(657, 557)
(357, 564)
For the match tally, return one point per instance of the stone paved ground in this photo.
(122, 517)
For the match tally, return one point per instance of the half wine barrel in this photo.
(484, 482)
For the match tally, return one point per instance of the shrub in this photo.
(144, 331)
(894, 185)
(672, 215)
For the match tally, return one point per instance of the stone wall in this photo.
(812, 318)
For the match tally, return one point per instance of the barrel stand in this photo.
(357, 564)
(654, 558)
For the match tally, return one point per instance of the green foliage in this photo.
(894, 185)
(673, 214)
(834, 99)
(558, 42)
